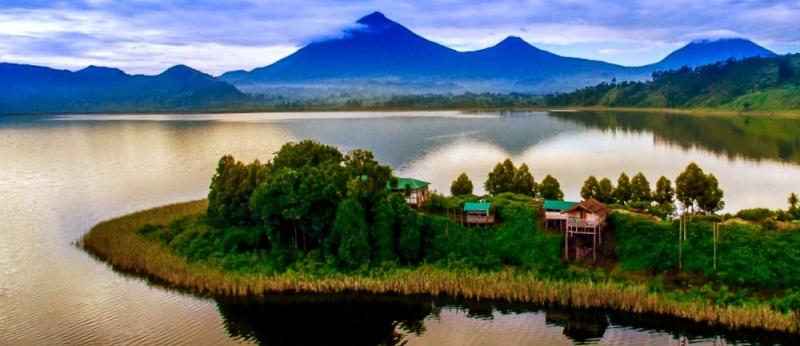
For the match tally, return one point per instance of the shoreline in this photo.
(118, 243)
(786, 114)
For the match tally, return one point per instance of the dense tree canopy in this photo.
(310, 196)
(748, 84)
(231, 187)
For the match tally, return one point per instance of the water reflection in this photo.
(581, 326)
(351, 319)
(756, 138)
(325, 320)
(61, 175)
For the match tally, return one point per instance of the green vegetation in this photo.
(748, 255)
(461, 186)
(507, 178)
(760, 84)
(550, 188)
(697, 190)
(321, 221)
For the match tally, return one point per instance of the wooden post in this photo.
(594, 245)
(566, 243)
(680, 243)
(715, 232)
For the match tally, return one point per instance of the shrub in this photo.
(755, 215)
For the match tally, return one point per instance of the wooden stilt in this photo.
(594, 246)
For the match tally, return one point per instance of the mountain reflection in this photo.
(754, 138)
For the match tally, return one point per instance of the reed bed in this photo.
(117, 242)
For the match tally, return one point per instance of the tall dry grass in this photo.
(118, 242)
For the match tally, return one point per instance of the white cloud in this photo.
(146, 36)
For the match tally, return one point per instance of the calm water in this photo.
(60, 175)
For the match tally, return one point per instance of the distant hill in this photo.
(380, 56)
(36, 89)
(764, 84)
(375, 62)
(704, 52)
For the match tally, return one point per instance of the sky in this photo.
(148, 36)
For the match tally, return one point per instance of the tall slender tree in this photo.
(523, 182)
(591, 188)
(605, 191)
(664, 193)
(710, 199)
(640, 188)
(622, 193)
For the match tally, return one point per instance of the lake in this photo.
(59, 175)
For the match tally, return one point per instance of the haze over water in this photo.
(59, 175)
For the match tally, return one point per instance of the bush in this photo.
(755, 215)
(745, 254)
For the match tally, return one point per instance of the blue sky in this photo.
(147, 36)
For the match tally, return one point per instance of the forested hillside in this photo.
(763, 84)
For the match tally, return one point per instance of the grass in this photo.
(119, 243)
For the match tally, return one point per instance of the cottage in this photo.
(554, 215)
(478, 213)
(578, 218)
(416, 191)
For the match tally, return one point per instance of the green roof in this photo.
(550, 204)
(477, 206)
(410, 183)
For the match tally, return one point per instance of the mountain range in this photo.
(377, 56)
(36, 89)
(381, 56)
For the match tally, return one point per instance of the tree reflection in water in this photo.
(325, 319)
(363, 319)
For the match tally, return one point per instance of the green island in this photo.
(313, 219)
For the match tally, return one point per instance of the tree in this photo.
(523, 182)
(590, 189)
(710, 199)
(640, 188)
(622, 193)
(664, 193)
(793, 201)
(381, 233)
(350, 226)
(298, 202)
(231, 187)
(371, 176)
(605, 192)
(689, 185)
(500, 178)
(409, 242)
(550, 188)
(695, 188)
(461, 186)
